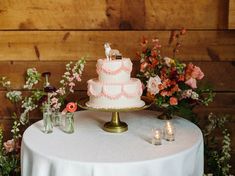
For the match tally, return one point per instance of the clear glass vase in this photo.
(47, 120)
(56, 117)
(69, 123)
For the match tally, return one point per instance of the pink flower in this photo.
(56, 106)
(9, 145)
(152, 85)
(192, 83)
(61, 91)
(173, 101)
(71, 85)
(197, 73)
(54, 100)
(70, 79)
(78, 78)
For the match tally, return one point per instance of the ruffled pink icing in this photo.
(106, 69)
(104, 90)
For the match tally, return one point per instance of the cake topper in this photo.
(109, 52)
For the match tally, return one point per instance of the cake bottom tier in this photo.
(115, 96)
(122, 102)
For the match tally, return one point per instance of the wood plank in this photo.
(63, 45)
(231, 23)
(112, 14)
(192, 14)
(220, 75)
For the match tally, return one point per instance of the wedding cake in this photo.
(114, 87)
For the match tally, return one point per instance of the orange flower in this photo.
(160, 87)
(71, 107)
(173, 101)
(175, 89)
(181, 78)
(154, 62)
(153, 53)
(164, 93)
(166, 83)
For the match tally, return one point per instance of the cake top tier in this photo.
(114, 67)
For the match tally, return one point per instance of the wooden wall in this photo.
(46, 34)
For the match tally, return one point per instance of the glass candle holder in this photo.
(56, 117)
(69, 123)
(169, 131)
(157, 137)
(47, 120)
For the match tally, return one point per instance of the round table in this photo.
(90, 151)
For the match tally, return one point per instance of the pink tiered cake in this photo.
(114, 87)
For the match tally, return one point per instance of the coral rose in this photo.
(71, 107)
(197, 73)
(173, 101)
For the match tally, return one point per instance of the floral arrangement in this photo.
(24, 104)
(170, 83)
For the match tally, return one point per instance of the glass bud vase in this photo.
(69, 123)
(47, 120)
(56, 117)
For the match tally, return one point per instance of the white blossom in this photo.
(14, 96)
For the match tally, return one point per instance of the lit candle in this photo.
(156, 140)
(169, 131)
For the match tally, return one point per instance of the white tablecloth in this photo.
(90, 151)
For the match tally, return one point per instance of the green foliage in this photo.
(217, 151)
(9, 162)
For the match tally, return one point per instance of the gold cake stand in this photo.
(115, 125)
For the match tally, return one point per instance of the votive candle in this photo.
(157, 138)
(169, 131)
